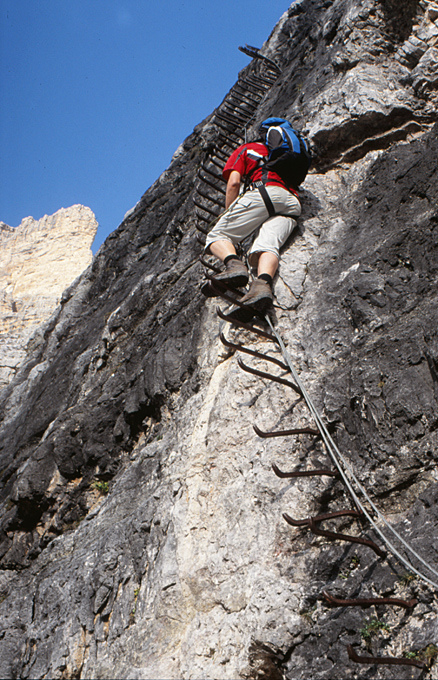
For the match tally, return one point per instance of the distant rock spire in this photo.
(38, 260)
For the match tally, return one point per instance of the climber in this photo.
(271, 170)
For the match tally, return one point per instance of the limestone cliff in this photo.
(38, 260)
(142, 529)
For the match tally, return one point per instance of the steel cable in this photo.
(337, 456)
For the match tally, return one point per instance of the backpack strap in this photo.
(266, 198)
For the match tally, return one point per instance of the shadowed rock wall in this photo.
(142, 530)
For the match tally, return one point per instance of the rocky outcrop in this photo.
(38, 260)
(142, 529)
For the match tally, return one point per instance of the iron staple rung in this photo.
(305, 473)
(254, 53)
(200, 239)
(199, 205)
(368, 601)
(210, 198)
(230, 133)
(265, 79)
(220, 286)
(204, 219)
(202, 229)
(237, 110)
(383, 659)
(233, 301)
(262, 374)
(286, 433)
(320, 518)
(344, 537)
(209, 265)
(210, 172)
(246, 92)
(253, 353)
(257, 83)
(233, 117)
(246, 326)
(257, 92)
(226, 141)
(209, 182)
(216, 199)
(218, 151)
(214, 162)
(239, 102)
(243, 98)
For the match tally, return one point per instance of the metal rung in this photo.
(244, 121)
(210, 198)
(199, 205)
(368, 601)
(227, 118)
(233, 301)
(246, 326)
(266, 79)
(204, 219)
(209, 265)
(285, 433)
(387, 660)
(209, 182)
(215, 162)
(219, 123)
(210, 172)
(256, 83)
(256, 92)
(214, 199)
(241, 116)
(305, 473)
(262, 374)
(241, 103)
(253, 353)
(226, 141)
(233, 117)
(229, 141)
(320, 518)
(344, 537)
(246, 92)
(204, 230)
(222, 156)
(254, 53)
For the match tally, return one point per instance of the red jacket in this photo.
(245, 158)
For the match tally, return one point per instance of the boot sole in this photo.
(238, 281)
(246, 314)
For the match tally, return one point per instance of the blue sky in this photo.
(96, 95)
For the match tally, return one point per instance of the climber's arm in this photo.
(233, 186)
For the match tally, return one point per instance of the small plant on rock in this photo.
(372, 627)
(101, 487)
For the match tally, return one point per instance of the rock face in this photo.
(142, 530)
(38, 260)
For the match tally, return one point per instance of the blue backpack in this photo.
(289, 154)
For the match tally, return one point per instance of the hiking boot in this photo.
(235, 275)
(258, 298)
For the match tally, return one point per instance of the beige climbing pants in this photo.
(248, 213)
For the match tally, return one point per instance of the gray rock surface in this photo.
(142, 530)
